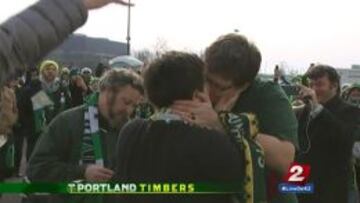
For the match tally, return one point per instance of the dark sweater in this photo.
(156, 151)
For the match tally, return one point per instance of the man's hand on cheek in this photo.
(198, 112)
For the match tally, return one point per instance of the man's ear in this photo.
(337, 89)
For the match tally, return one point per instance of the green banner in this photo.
(33, 188)
(121, 188)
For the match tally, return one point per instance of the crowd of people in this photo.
(38, 97)
(181, 118)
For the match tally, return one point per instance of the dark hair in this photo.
(117, 78)
(28, 74)
(318, 71)
(100, 70)
(173, 76)
(233, 57)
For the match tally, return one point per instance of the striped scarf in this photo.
(91, 149)
(243, 129)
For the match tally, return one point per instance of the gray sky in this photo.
(291, 32)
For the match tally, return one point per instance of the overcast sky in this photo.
(292, 32)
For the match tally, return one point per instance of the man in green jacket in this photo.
(79, 144)
(231, 65)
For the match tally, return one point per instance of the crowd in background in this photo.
(41, 94)
(38, 96)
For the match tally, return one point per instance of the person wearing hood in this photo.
(79, 144)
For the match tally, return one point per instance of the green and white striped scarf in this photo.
(91, 149)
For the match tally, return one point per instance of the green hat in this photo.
(355, 85)
(348, 90)
(74, 72)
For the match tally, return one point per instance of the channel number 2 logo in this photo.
(298, 174)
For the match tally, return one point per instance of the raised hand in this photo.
(94, 4)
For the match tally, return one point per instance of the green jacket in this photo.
(57, 152)
(269, 103)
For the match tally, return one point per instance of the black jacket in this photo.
(77, 95)
(26, 112)
(326, 144)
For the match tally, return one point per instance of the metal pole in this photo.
(128, 38)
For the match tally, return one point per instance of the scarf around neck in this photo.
(91, 148)
(50, 87)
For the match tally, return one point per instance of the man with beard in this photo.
(80, 143)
